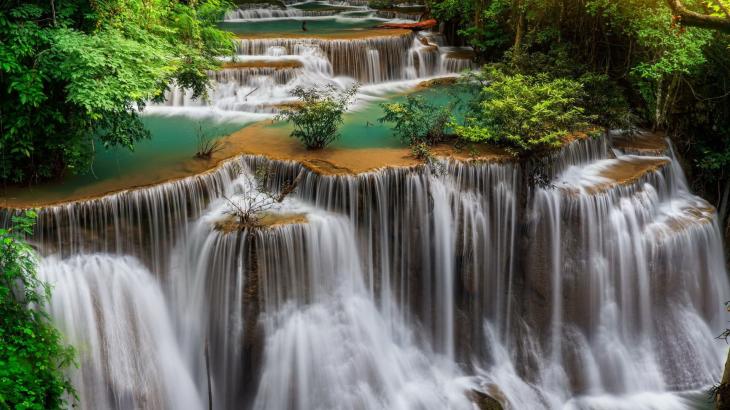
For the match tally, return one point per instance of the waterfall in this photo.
(397, 288)
(398, 15)
(348, 57)
(265, 70)
(113, 312)
(143, 222)
(309, 291)
(373, 61)
(371, 351)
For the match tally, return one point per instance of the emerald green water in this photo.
(174, 138)
(174, 143)
(294, 26)
(361, 128)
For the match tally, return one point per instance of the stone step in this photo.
(605, 175)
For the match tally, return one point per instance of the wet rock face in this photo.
(484, 401)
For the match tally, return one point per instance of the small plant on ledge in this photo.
(318, 117)
(247, 210)
(207, 145)
(527, 115)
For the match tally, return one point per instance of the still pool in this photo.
(175, 138)
(288, 26)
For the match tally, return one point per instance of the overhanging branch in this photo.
(691, 18)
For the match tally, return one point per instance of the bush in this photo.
(525, 114)
(318, 116)
(421, 151)
(417, 121)
(32, 356)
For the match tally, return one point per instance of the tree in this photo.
(318, 115)
(527, 115)
(74, 73)
(32, 356)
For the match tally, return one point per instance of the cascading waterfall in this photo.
(423, 59)
(346, 56)
(291, 291)
(395, 289)
(398, 15)
(629, 276)
(373, 61)
(113, 311)
(308, 62)
(398, 289)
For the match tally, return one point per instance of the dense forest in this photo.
(667, 62)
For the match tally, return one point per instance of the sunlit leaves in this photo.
(318, 114)
(524, 114)
(76, 76)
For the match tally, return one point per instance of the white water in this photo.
(405, 301)
(380, 61)
(112, 310)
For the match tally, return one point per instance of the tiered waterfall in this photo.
(400, 288)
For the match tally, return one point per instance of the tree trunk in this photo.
(722, 394)
(207, 373)
(669, 97)
(659, 103)
(520, 24)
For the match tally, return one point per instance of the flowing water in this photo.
(398, 289)
(404, 288)
(275, 54)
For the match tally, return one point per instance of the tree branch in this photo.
(691, 18)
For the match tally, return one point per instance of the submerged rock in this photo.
(484, 401)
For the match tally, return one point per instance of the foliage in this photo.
(421, 151)
(605, 103)
(674, 74)
(32, 355)
(702, 131)
(318, 115)
(381, 4)
(416, 121)
(524, 114)
(72, 75)
(482, 24)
